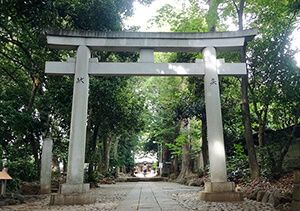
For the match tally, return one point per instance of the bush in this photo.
(237, 165)
(24, 170)
(270, 158)
(95, 177)
(20, 170)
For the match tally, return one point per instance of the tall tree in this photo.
(34, 105)
(253, 164)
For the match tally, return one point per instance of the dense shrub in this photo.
(22, 169)
(237, 164)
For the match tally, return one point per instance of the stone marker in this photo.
(46, 166)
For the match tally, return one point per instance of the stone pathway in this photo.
(142, 196)
(152, 196)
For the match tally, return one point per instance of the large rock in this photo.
(296, 192)
(286, 198)
(274, 198)
(295, 206)
(297, 176)
(30, 188)
(260, 195)
(11, 199)
(253, 194)
(292, 158)
(266, 197)
(196, 182)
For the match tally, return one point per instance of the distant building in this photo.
(142, 159)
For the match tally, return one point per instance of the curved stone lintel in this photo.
(158, 41)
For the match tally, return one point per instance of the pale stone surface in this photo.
(46, 162)
(79, 117)
(216, 150)
(159, 41)
(74, 191)
(109, 197)
(146, 56)
(152, 196)
(74, 188)
(221, 196)
(219, 186)
(72, 199)
(145, 68)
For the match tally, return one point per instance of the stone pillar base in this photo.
(74, 188)
(45, 190)
(72, 199)
(220, 191)
(71, 194)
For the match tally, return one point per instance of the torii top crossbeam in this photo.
(158, 41)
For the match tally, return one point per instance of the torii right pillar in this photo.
(218, 189)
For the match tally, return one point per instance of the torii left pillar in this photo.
(74, 191)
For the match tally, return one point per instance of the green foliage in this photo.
(189, 19)
(237, 164)
(34, 106)
(176, 148)
(95, 177)
(212, 14)
(191, 135)
(271, 155)
(21, 169)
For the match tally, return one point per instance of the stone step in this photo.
(141, 179)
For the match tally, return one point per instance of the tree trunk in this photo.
(35, 87)
(186, 162)
(92, 152)
(175, 165)
(34, 144)
(204, 139)
(166, 155)
(115, 154)
(254, 168)
(261, 134)
(106, 152)
(186, 167)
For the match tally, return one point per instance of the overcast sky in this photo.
(142, 15)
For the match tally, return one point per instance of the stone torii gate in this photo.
(74, 191)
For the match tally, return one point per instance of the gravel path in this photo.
(110, 196)
(190, 200)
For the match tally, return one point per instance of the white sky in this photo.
(142, 15)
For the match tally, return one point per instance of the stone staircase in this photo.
(142, 179)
